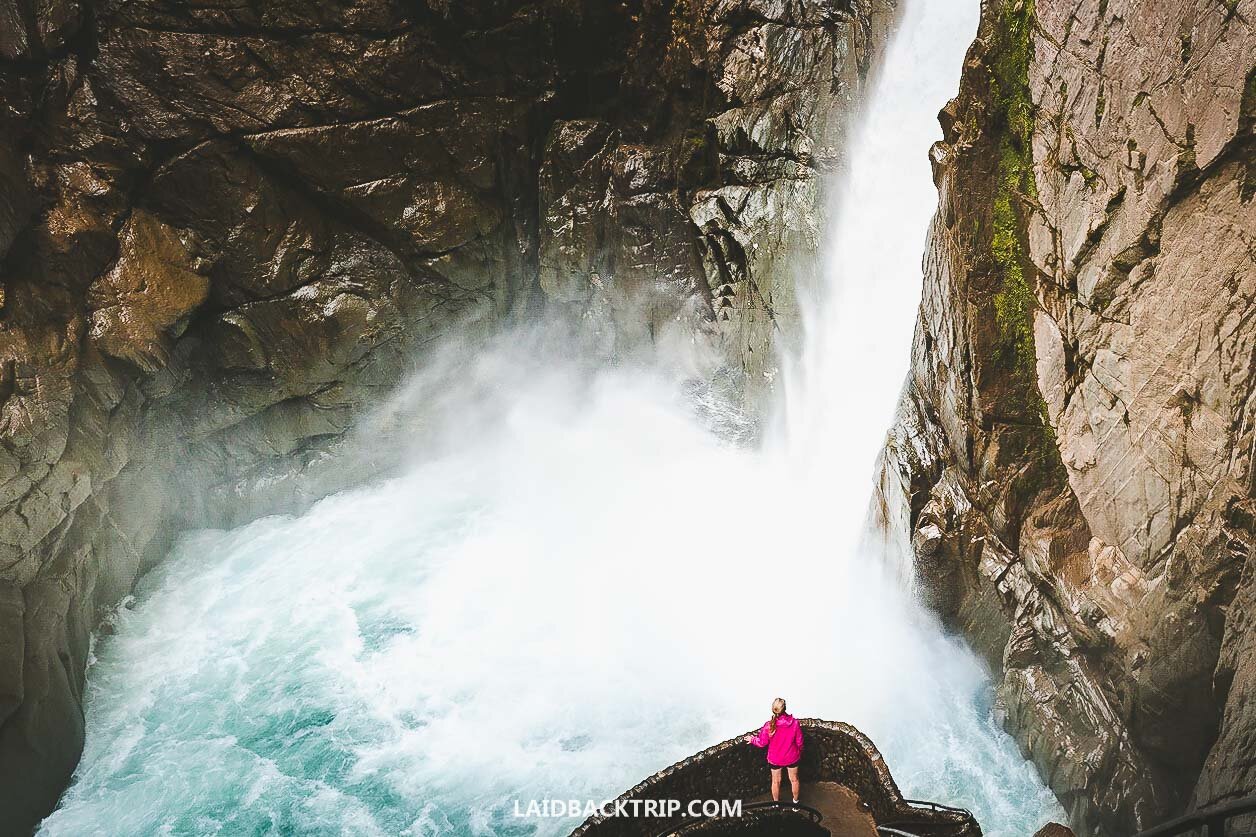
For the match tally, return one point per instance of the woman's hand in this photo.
(747, 738)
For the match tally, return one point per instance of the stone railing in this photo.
(832, 752)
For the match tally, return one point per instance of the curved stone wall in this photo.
(772, 822)
(833, 752)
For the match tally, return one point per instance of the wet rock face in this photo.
(226, 229)
(1076, 438)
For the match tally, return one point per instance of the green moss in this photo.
(1014, 302)
(1014, 298)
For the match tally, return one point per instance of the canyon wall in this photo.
(227, 229)
(1075, 440)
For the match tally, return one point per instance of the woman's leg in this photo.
(793, 781)
(776, 784)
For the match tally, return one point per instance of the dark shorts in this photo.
(782, 766)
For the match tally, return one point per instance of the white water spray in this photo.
(574, 583)
(841, 395)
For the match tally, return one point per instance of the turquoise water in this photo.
(572, 602)
(576, 579)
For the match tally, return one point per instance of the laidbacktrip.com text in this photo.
(654, 808)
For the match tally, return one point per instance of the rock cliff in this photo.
(1075, 440)
(226, 229)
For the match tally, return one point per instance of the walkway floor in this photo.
(839, 805)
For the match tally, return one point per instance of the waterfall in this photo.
(842, 391)
(571, 582)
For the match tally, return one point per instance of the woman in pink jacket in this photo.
(782, 735)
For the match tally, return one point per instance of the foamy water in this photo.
(573, 582)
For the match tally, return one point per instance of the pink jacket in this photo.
(785, 745)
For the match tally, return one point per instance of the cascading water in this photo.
(842, 391)
(567, 588)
